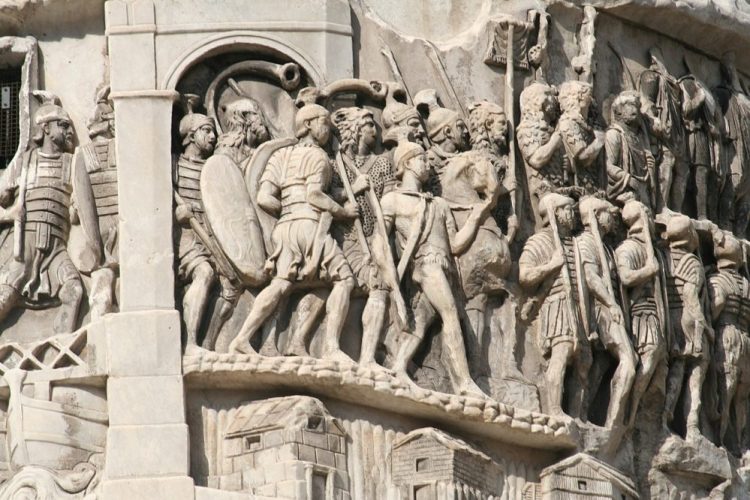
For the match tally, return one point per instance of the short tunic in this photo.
(555, 324)
(46, 265)
(645, 323)
(291, 170)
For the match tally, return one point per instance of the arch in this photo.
(238, 40)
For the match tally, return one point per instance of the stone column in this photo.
(147, 442)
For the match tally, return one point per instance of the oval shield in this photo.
(232, 218)
(253, 172)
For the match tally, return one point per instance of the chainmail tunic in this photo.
(381, 176)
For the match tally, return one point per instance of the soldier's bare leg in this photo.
(624, 376)
(102, 293)
(264, 305)
(223, 310)
(728, 394)
(666, 175)
(195, 299)
(675, 382)
(681, 170)
(424, 315)
(337, 307)
(693, 397)
(475, 310)
(701, 196)
(9, 300)
(438, 291)
(373, 318)
(71, 294)
(650, 359)
(582, 366)
(560, 358)
(740, 410)
(308, 311)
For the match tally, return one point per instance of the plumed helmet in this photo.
(192, 121)
(50, 110)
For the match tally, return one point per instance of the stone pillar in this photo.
(147, 443)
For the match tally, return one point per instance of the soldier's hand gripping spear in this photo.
(389, 271)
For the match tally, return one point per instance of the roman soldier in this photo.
(98, 159)
(293, 186)
(47, 194)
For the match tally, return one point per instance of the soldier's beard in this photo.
(62, 142)
(257, 133)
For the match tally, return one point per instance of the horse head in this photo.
(469, 177)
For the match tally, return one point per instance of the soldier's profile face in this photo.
(61, 134)
(461, 132)
(606, 221)
(565, 216)
(320, 129)
(368, 131)
(418, 165)
(498, 127)
(629, 112)
(415, 128)
(205, 138)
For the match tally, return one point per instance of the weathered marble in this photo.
(372, 249)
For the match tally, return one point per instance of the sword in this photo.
(222, 263)
(18, 224)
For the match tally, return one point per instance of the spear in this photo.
(601, 251)
(388, 54)
(631, 78)
(391, 276)
(508, 95)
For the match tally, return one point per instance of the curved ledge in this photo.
(377, 388)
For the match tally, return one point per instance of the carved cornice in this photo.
(379, 389)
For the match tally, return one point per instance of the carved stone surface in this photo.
(371, 249)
